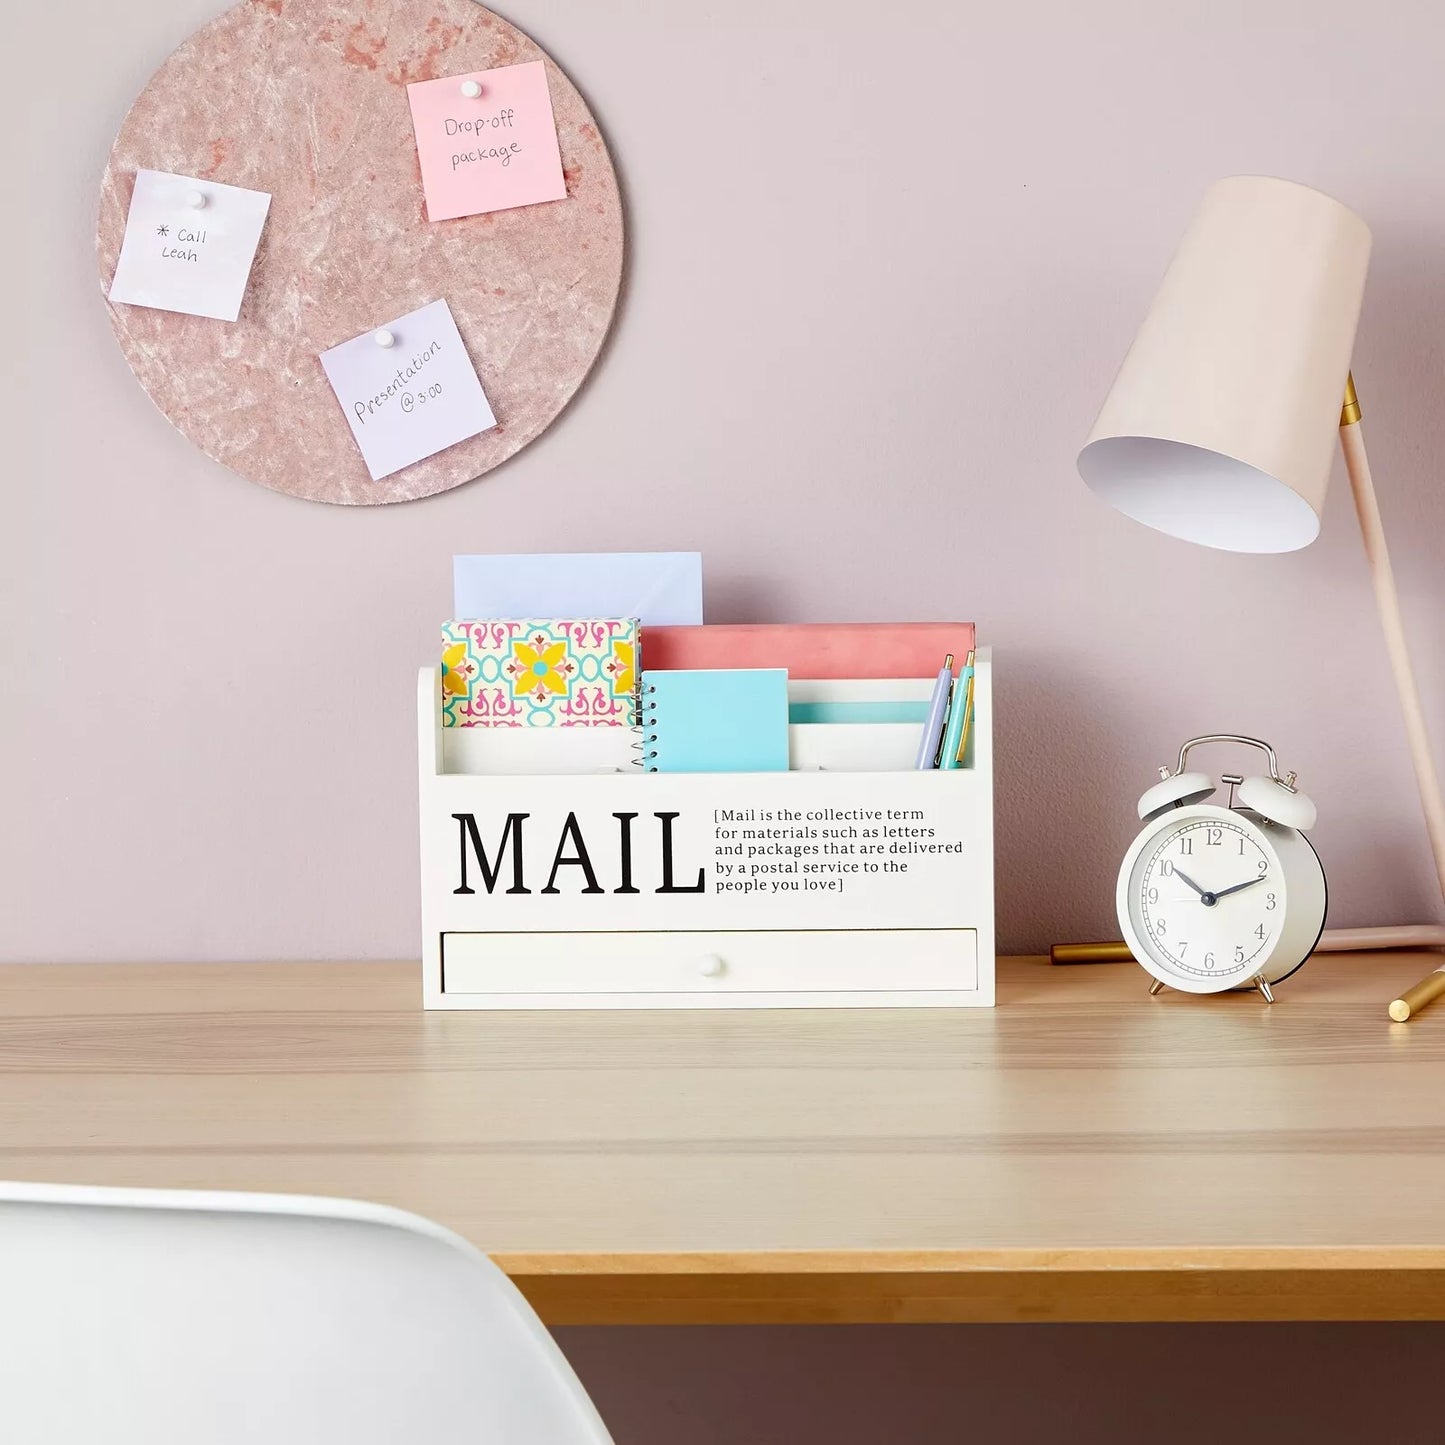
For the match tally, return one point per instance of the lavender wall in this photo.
(883, 264)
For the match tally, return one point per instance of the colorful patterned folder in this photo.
(553, 672)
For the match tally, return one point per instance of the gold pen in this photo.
(1414, 999)
(1090, 953)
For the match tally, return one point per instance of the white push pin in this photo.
(196, 200)
(385, 338)
(471, 89)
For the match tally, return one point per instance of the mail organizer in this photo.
(705, 890)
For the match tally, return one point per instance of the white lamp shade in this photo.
(1221, 425)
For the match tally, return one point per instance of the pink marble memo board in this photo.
(307, 99)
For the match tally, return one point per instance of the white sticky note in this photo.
(188, 245)
(412, 398)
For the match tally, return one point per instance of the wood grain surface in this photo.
(1082, 1152)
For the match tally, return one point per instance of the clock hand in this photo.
(1236, 887)
(1200, 891)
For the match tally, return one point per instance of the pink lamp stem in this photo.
(1367, 507)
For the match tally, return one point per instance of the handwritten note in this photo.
(409, 389)
(486, 141)
(188, 245)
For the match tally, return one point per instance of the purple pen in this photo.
(937, 711)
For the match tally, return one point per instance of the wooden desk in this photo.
(1083, 1152)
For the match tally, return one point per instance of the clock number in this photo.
(1186, 847)
(1209, 960)
(1160, 929)
(1241, 847)
(1153, 895)
(1269, 902)
(1183, 946)
(1259, 932)
(1238, 954)
(1263, 865)
(1213, 837)
(1166, 869)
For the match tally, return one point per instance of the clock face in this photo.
(1205, 899)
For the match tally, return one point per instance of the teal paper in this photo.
(861, 711)
(715, 720)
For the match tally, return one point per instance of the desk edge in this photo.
(1192, 1284)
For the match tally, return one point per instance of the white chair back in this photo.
(147, 1317)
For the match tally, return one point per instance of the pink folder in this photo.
(813, 649)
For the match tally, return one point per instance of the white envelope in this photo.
(660, 589)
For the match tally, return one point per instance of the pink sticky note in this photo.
(490, 151)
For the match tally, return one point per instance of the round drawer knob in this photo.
(712, 965)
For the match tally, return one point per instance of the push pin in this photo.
(471, 89)
(196, 200)
(384, 338)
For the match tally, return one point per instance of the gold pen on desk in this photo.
(1090, 953)
(1414, 999)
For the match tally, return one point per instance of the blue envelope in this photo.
(660, 589)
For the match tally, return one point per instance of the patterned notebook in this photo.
(552, 672)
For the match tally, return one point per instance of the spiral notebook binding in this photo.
(647, 744)
(645, 729)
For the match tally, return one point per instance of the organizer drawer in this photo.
(891, 961)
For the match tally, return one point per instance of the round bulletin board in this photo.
(306, 99)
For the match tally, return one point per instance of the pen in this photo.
(1414, 999)
(967, 720)
(952, 754)
(1090, 953)
(937, 707)
(1332, 940)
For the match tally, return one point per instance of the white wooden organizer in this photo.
(706, 890)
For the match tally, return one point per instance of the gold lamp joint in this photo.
(1350, 412)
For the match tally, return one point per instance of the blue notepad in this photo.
(715, 720)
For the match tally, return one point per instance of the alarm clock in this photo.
(1213, 898)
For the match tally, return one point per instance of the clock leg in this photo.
(1263, 984)
(1155, 987)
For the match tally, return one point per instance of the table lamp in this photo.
(1220, 426)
